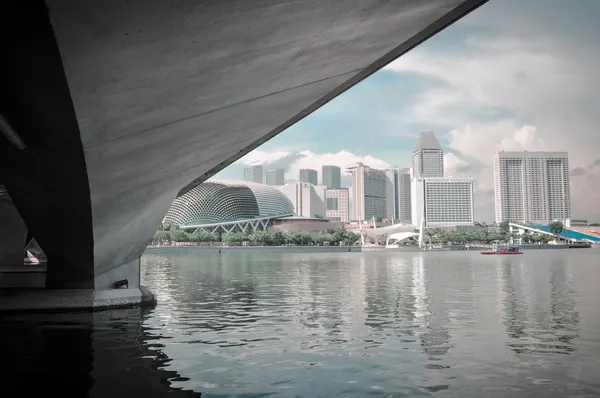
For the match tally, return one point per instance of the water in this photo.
(330, 325)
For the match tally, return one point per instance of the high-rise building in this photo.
(391, 193)
(254, 174)
(368, 192)
(308, 199)
(447, 201)
(532, 187)
(308, 175)
(428, 157)
(337, 203)
(403, 201)
(332, 177)
(276, 177)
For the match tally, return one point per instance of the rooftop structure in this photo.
(227, 202)
(428, 157)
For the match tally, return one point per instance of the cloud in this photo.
(501, 89)
(578, 171)
(310, 160)
(454, 165)
(259, 157)
(292, 162)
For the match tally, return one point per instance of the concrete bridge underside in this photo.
(123, 103)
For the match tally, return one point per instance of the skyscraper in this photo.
(332, 177)
(308, 175)
(532, 187)
(308, 199)
(276, 177)
(368, 192)
(404, 207)
(254, 174)
(428, 157)
(447, 201)
(337, 204)
(391, 193)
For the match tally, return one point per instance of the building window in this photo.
(332, 203)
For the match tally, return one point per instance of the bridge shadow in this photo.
(104, 354)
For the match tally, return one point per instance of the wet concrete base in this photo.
(73, 299)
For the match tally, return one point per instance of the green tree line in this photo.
(172, 233)
(482, 236)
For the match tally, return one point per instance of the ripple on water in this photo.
(386, 324)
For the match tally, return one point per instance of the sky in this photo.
(512, 75)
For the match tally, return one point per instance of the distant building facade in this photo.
(308, 199)
(276, 177)
(403, 202)
(332, 177)
(337, 204)
(309, 175)
(254, 174)
(428, 157)
(446, 201)
(532, 187)
(391, 193)
(368, 192)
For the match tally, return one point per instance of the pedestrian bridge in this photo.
(111, 108)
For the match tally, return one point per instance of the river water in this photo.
(333, 325)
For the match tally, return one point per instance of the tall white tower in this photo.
(428, 157)
(532, 187)
(368, 192)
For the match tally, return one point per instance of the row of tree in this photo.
(483, 236)
(167, 234)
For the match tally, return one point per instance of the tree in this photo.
(556, 227)
(504, 226)
(179, 235)
(161, 237)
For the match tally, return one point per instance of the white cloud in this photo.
(309, 160)
(453, 164)
(258, 157)
(507, 93)
(292, 162)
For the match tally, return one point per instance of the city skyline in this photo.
(482, 87)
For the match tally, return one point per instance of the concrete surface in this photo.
(74, 299)
(138, 98)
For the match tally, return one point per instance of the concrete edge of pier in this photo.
(44, 300)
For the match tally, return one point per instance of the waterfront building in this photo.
(368, 192)
(391, 193)
(308, 175)
(403, 201)
(447, 201)
(308, 200)
(332, 177)
(254, 174)
(227, 205)
(532, 187)
(428, 157)
(276, 177)
(337, 203)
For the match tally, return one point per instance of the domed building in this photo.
(215, 203)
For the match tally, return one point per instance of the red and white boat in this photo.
(504, 250)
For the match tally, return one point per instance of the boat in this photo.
(504, 250)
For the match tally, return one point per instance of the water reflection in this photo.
(339, 324)
(367, 324)
(540, 308)
(84, 355)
